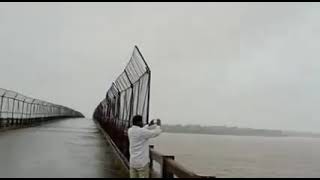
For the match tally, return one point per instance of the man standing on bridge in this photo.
(139, 146)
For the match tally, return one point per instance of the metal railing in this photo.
(169, 168)
(128, 95)
(17, 109)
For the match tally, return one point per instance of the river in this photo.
(243, 156)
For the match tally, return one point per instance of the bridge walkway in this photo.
(67, 148)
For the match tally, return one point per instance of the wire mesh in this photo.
(128, 95)
(16, 108)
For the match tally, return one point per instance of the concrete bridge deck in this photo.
(64, 148)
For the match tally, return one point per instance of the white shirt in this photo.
(139, 144)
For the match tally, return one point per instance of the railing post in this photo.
(149, 88)
(32, 116)
(31, 120)
(151, 147)
(22, 112)
(27, 114)
(18, 109)
(165, 173)
(1, 111)
(131, 98)
(12, 115)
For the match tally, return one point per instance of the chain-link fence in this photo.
(17, 109)
(128, 95)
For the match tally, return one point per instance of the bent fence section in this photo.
(129, 95)
(19, 110)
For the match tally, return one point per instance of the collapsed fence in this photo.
(17, 109)
(128, 95)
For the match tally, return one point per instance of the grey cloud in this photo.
(239, 64)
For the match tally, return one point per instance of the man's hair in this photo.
(137, 120)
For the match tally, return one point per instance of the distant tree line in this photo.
(220, 130)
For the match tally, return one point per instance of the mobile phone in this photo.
(155, 121)
(158, 122)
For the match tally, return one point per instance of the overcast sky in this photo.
(236, 64)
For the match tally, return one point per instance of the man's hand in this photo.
(155, 122)
(150, 127)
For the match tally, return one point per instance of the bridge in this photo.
(42, 139)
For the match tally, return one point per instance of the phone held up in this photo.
(155, 121)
